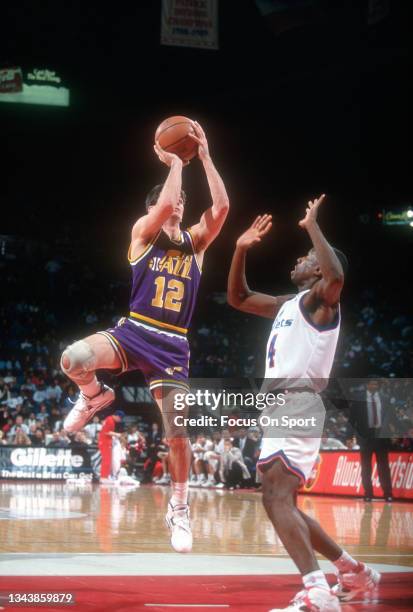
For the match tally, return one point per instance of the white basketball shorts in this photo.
(299, 452)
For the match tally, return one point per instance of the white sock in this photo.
(346, 563)
(211, 477)
(91, 389)
(179, 493)
(315, 579)
(199, 477)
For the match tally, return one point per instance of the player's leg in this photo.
(180, 453)
(179, 461)
(353, 576)
(79, 362)
(321, 541)
(279, 487)
(278, 494)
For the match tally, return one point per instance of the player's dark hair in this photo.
(342, 259)
(153, 196)
(155, 192)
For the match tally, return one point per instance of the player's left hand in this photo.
(199, 136)
(311, 211)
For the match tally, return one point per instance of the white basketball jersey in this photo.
(300, 353)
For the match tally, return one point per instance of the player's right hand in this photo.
(253, 235)
(166, 157)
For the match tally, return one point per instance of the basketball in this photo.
(172, 135)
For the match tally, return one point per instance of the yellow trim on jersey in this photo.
(121, 349)
(191, 238)
(168, 382)
(136, 315)
(118, 347)
(181, 239)
(133, 262)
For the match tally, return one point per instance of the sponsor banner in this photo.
(339, 473)
(190, 23)
(45, 463)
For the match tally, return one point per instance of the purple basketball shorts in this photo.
(162, 357)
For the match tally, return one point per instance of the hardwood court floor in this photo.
(51, 518)
(109, 547)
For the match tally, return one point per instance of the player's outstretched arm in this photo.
(149, 225)
(213, 218)
(328, 289)
(239, 295)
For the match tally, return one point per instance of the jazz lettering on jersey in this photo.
(173, 262)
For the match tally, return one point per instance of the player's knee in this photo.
(272, 497)
(78, 359)
(274, 494)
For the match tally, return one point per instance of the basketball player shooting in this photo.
(300, 348)
(166, 267)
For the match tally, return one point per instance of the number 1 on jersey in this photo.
(271, 351)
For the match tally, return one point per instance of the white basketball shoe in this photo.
(350, 584)
(86, 407)
(177, 519)
(314, 599)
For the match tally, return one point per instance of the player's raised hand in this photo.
(311, 211)
(165, 157)
(199, 136)
(255, 233)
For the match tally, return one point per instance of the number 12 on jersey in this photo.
(173, 297)
(271, 351)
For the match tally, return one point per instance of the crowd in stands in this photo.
(223, 459)
(376, 340)
(35, 396)
(32, 409)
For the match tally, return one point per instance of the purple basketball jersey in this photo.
(165, 281)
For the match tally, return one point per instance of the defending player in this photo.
(166, 267)
(300, 353)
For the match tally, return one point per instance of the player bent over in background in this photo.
(301, 348)
(166, 271)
